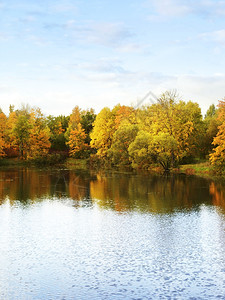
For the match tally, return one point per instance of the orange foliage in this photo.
(2, 134)
(217, 158)
(218, 194)
(77, 140)
(124, 113)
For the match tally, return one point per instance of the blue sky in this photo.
(57, 54)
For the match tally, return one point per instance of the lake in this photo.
(69, 234)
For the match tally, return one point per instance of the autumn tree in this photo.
(102, 134)
(76, 143)
(171, 120)
(162, 149)
(121, 141)
(217, 157)
(87, 121)
(149, 149)
(124, 113)
(211, 124)
(76, 136)
(58, 126)
(138, 150)
(29, 132)
(125, 132)
(2, 134)
(39, 142)
(21, 132)
(11, 144)
(105, 126)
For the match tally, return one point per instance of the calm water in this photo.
(76, 235)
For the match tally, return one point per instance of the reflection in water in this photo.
(218, 194)
(62, 238)
(30, 185)
(117, 191)
(149, 193)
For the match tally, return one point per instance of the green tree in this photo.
(121, 141)
(22, 131)
(87, 120)
(58, 126)
(29, 131)
(211, 124)
(138, 150)
(149, 149)
(171, 120)
(162, 149)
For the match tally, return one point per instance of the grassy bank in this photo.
(12, 162)
(202, 169)
(75, 163)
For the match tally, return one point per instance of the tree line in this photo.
(167, 133)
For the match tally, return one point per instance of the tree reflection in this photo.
(121, 192)
(218, 194)
(149, 193)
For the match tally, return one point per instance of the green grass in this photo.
(11, 162)
(76, 163)
(201, 169)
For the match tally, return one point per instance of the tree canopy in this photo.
(167, 133)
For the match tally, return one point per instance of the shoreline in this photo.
(200, 169)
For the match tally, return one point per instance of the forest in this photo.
(166, 134)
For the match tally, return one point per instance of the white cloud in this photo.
(172, 8)
(105, 33)
(204, 90)
(134, 48)
(216, 36)
(103, 65)
(63, 7)
(105, 88)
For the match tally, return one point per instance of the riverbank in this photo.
(202, 169)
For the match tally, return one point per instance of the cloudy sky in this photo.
(56, 54)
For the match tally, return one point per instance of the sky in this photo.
(56, 54)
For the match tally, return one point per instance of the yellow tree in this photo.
(168, 132)
(124, 113)
(180, 120)
(39, 143)
(217, 157)
(76, 135)
(106, 124)
(75, 117)
(76, 143)
(2, 133)
(102, 134)
(138, 150)
(28, 133)
(10, 139)
(122, 138)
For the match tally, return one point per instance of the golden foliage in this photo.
(77, 141)
(217, 157)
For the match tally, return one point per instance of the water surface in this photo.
(68, 234)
